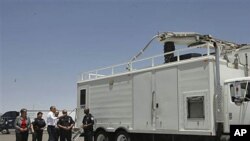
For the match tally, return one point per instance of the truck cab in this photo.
(237, 97)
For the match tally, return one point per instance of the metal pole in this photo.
(218, 94)
(217, 63)
(246, 65)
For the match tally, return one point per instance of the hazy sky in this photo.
(45, 44)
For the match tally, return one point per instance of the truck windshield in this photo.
(240, 90)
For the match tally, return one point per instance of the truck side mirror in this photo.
(238, 101)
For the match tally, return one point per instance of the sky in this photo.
(46, 44)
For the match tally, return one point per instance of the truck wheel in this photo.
(101, 136)
(225, 138)
(122, 136)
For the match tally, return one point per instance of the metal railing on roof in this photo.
(144, 63)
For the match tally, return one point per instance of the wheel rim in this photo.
(122, 138)
(4, 131)
(100, 137)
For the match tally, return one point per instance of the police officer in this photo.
(37, 127)
(65, 123)
(88, 122)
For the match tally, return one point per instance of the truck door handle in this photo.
(157, 105)
(230, 116)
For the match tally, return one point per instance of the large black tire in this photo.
(5, 131)
(225, 138)
(101, 136)
(122, 136)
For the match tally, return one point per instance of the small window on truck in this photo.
(83, 97)
(195, 107)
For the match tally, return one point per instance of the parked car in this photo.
(7, 121)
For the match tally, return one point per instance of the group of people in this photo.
(57, 126)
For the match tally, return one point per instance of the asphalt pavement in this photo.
(12, 137)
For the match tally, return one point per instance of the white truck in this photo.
(195, 90)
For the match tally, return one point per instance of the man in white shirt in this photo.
(51, 122)
(57, 128)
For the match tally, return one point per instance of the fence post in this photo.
(112, 70)
(208, 49)
(153, 62)
(178, 56)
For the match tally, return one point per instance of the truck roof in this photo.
(238, 79)
(193, 42)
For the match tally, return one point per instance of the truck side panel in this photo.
(142, 101)
(195, 98)
(111, 101)
(166, 97)
(155, 100)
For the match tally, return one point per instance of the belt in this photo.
(51, 125)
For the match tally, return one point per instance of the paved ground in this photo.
(12, 137)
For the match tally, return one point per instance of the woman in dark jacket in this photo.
(37, 127)
(22, 125)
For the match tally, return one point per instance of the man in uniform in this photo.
(88, 122)
(37, 127)
(65, 123)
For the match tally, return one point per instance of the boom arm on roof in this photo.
(190, 39)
